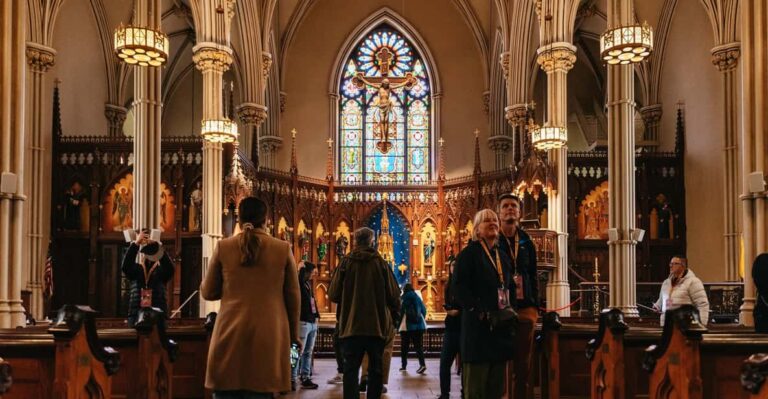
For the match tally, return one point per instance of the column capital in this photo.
(209, 56)
(252, 113)
(266, 64)
(651, 114)
(516, 114)
(499, 143)
(558, 56)
(504, 61)
(115, 116)
(726, 57)
(270, 143)
(40, 58)
(283, 100)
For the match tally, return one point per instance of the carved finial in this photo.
(294, 162)
(478, 169)
(329, 160)
(441, 165)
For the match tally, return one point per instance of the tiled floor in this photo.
(405, 385)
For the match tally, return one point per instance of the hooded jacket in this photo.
(366, 293)
(687, 291)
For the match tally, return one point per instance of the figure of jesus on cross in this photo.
(384, 107)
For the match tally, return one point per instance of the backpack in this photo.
(412, 314)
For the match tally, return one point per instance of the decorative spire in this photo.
(441, 161)
(478, 169)
(294, 163)
(384, 220)
(680, 129)
(329, 161)
(237, 185)
(56, 114)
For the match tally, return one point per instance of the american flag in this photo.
(48, 274)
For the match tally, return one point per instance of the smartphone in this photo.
(294, 355)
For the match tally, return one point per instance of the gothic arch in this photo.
(388, 16)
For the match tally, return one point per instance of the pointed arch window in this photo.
(410, 160)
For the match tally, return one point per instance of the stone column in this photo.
(212, 60)
(726, 59)
(556, 60)
(500, 144)
(147, 108)
(13, 22)
(621, 179)
(40, 59)
(754, 131)
(651, 117)
(517, 117)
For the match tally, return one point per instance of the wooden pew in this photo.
(549, 357)
(754, 372)
(6, 379)
(675, 363)
(156, 354)
(606, 355)
(210, 322)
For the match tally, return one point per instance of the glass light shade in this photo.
(141, 46)
(626, 44)
(219, 130)
(549, 137)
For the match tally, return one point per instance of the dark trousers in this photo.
(337, 351)
(451, 345)
(406, 339)
(354, 348)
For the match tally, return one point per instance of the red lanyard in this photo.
(497, 262)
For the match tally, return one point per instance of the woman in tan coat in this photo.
(254, 276)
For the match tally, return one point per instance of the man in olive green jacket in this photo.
(366, 292)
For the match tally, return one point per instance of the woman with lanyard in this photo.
(148, 274)
(482, 284)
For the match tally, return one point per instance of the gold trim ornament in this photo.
(219, 130)
(626, 44)
(549, 137)
(141, 46)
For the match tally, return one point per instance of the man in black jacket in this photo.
(148, 269)
(518, 245)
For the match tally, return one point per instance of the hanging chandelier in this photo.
(219, 130)
(141, 46)
(626, 44)
(549, 137)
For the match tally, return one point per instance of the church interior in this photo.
(629, 139)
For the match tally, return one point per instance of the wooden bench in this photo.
(549, 356)
(754, 372)
(6, 380)
(65, 362)
(606, 355)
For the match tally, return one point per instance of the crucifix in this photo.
(384, 116)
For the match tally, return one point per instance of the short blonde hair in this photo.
(480, 216)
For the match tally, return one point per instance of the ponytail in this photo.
(249, 245)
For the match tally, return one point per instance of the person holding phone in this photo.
(148, 268)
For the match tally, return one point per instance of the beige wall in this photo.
(80, 66)
(689, 76)
(309, 65)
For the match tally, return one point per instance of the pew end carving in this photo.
(154, 379)
(83, 366)
(674, 363)
(6, 376)
(547, 342)
(606, 355)
(754, 372)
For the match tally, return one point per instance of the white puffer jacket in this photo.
(688, 291)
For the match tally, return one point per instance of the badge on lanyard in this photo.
(146, 297)
(503, 297)
(519, 291)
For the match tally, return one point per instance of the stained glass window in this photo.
(409, 160)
